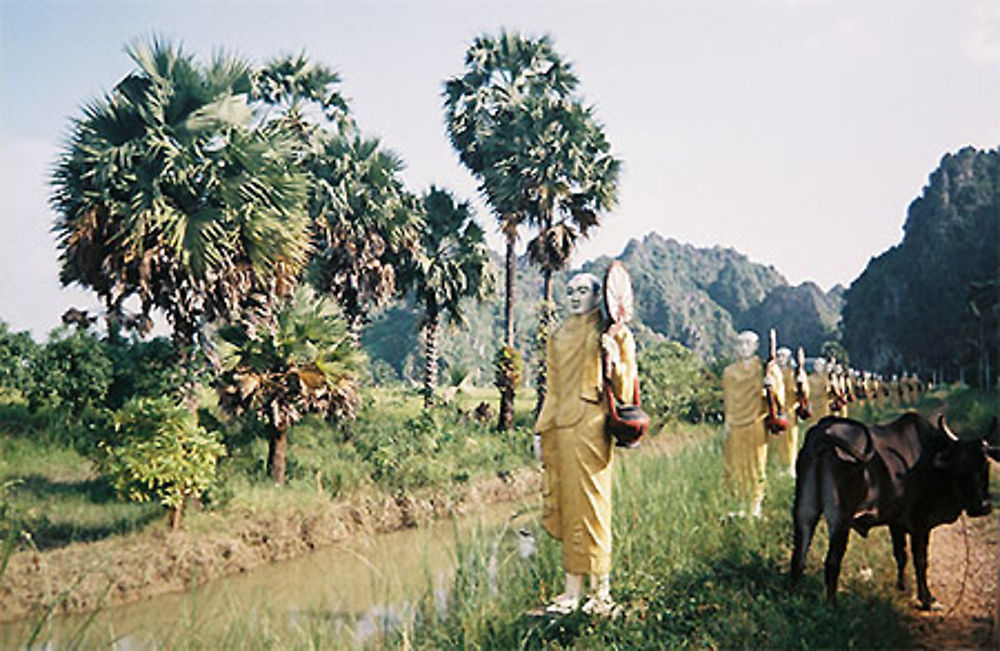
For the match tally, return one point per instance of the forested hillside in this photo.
(929, 304)
(699, 297)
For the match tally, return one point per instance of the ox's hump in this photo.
(851, 439)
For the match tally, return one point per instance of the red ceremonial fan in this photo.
(625, 423)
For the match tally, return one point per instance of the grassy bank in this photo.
(685, 574)
(53, 496)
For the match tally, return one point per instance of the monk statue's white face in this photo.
(583, 293)
(746, 344)
(785, 357)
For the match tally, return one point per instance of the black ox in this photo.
(909, 475)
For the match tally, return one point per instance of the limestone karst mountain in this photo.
(699, 297)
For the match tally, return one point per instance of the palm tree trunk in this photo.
(545, 319)
(547, 285)
(355, 323)
(175, 516)
(276, 454)
(506, 413)
(432, 339)
(508, 306)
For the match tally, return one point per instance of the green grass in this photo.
(687, 576)
(970, 411)
(53, 494)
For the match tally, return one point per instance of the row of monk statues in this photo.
(591, 364)
(765, 402)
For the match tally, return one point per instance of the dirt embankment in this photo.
(86, 576)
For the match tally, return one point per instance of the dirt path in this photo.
(963, 575)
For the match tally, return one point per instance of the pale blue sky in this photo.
(797, 131)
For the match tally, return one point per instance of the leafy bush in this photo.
(970, 411)
(17, 350)
(160, 452)
(142, 369)
(70, 372)
(433, 446)
(676, 385)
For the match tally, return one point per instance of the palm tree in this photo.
(480, 110)
(366, 224)
(301, 361)
(454, 265)
(169, 190)
(558, 170)
(292, 87)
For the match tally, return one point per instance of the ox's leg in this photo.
(805, 515)
(840, 530)
(899, 552)
(921, 541)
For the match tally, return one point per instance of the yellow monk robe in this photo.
(745, 449)
(838, 387)
(877, 392)
(785, 446)
(819, 395)
(576, 452)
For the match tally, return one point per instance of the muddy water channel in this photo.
(354, 591)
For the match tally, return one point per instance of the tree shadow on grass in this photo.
(60, 523)
(97, 490)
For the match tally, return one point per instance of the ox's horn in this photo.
(943, 426)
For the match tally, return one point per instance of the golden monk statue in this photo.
(838, 389)
(785, 446)
(744, 398)
(575, 451)
(819, 389)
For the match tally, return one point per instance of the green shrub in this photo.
(676, 385)
(17, 351)
(970, 411)
(159, 452)
(433, 446)
(142, 369)
(70, 372)
(382, 373)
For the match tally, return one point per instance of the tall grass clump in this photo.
(685, 574)
(971, 410)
